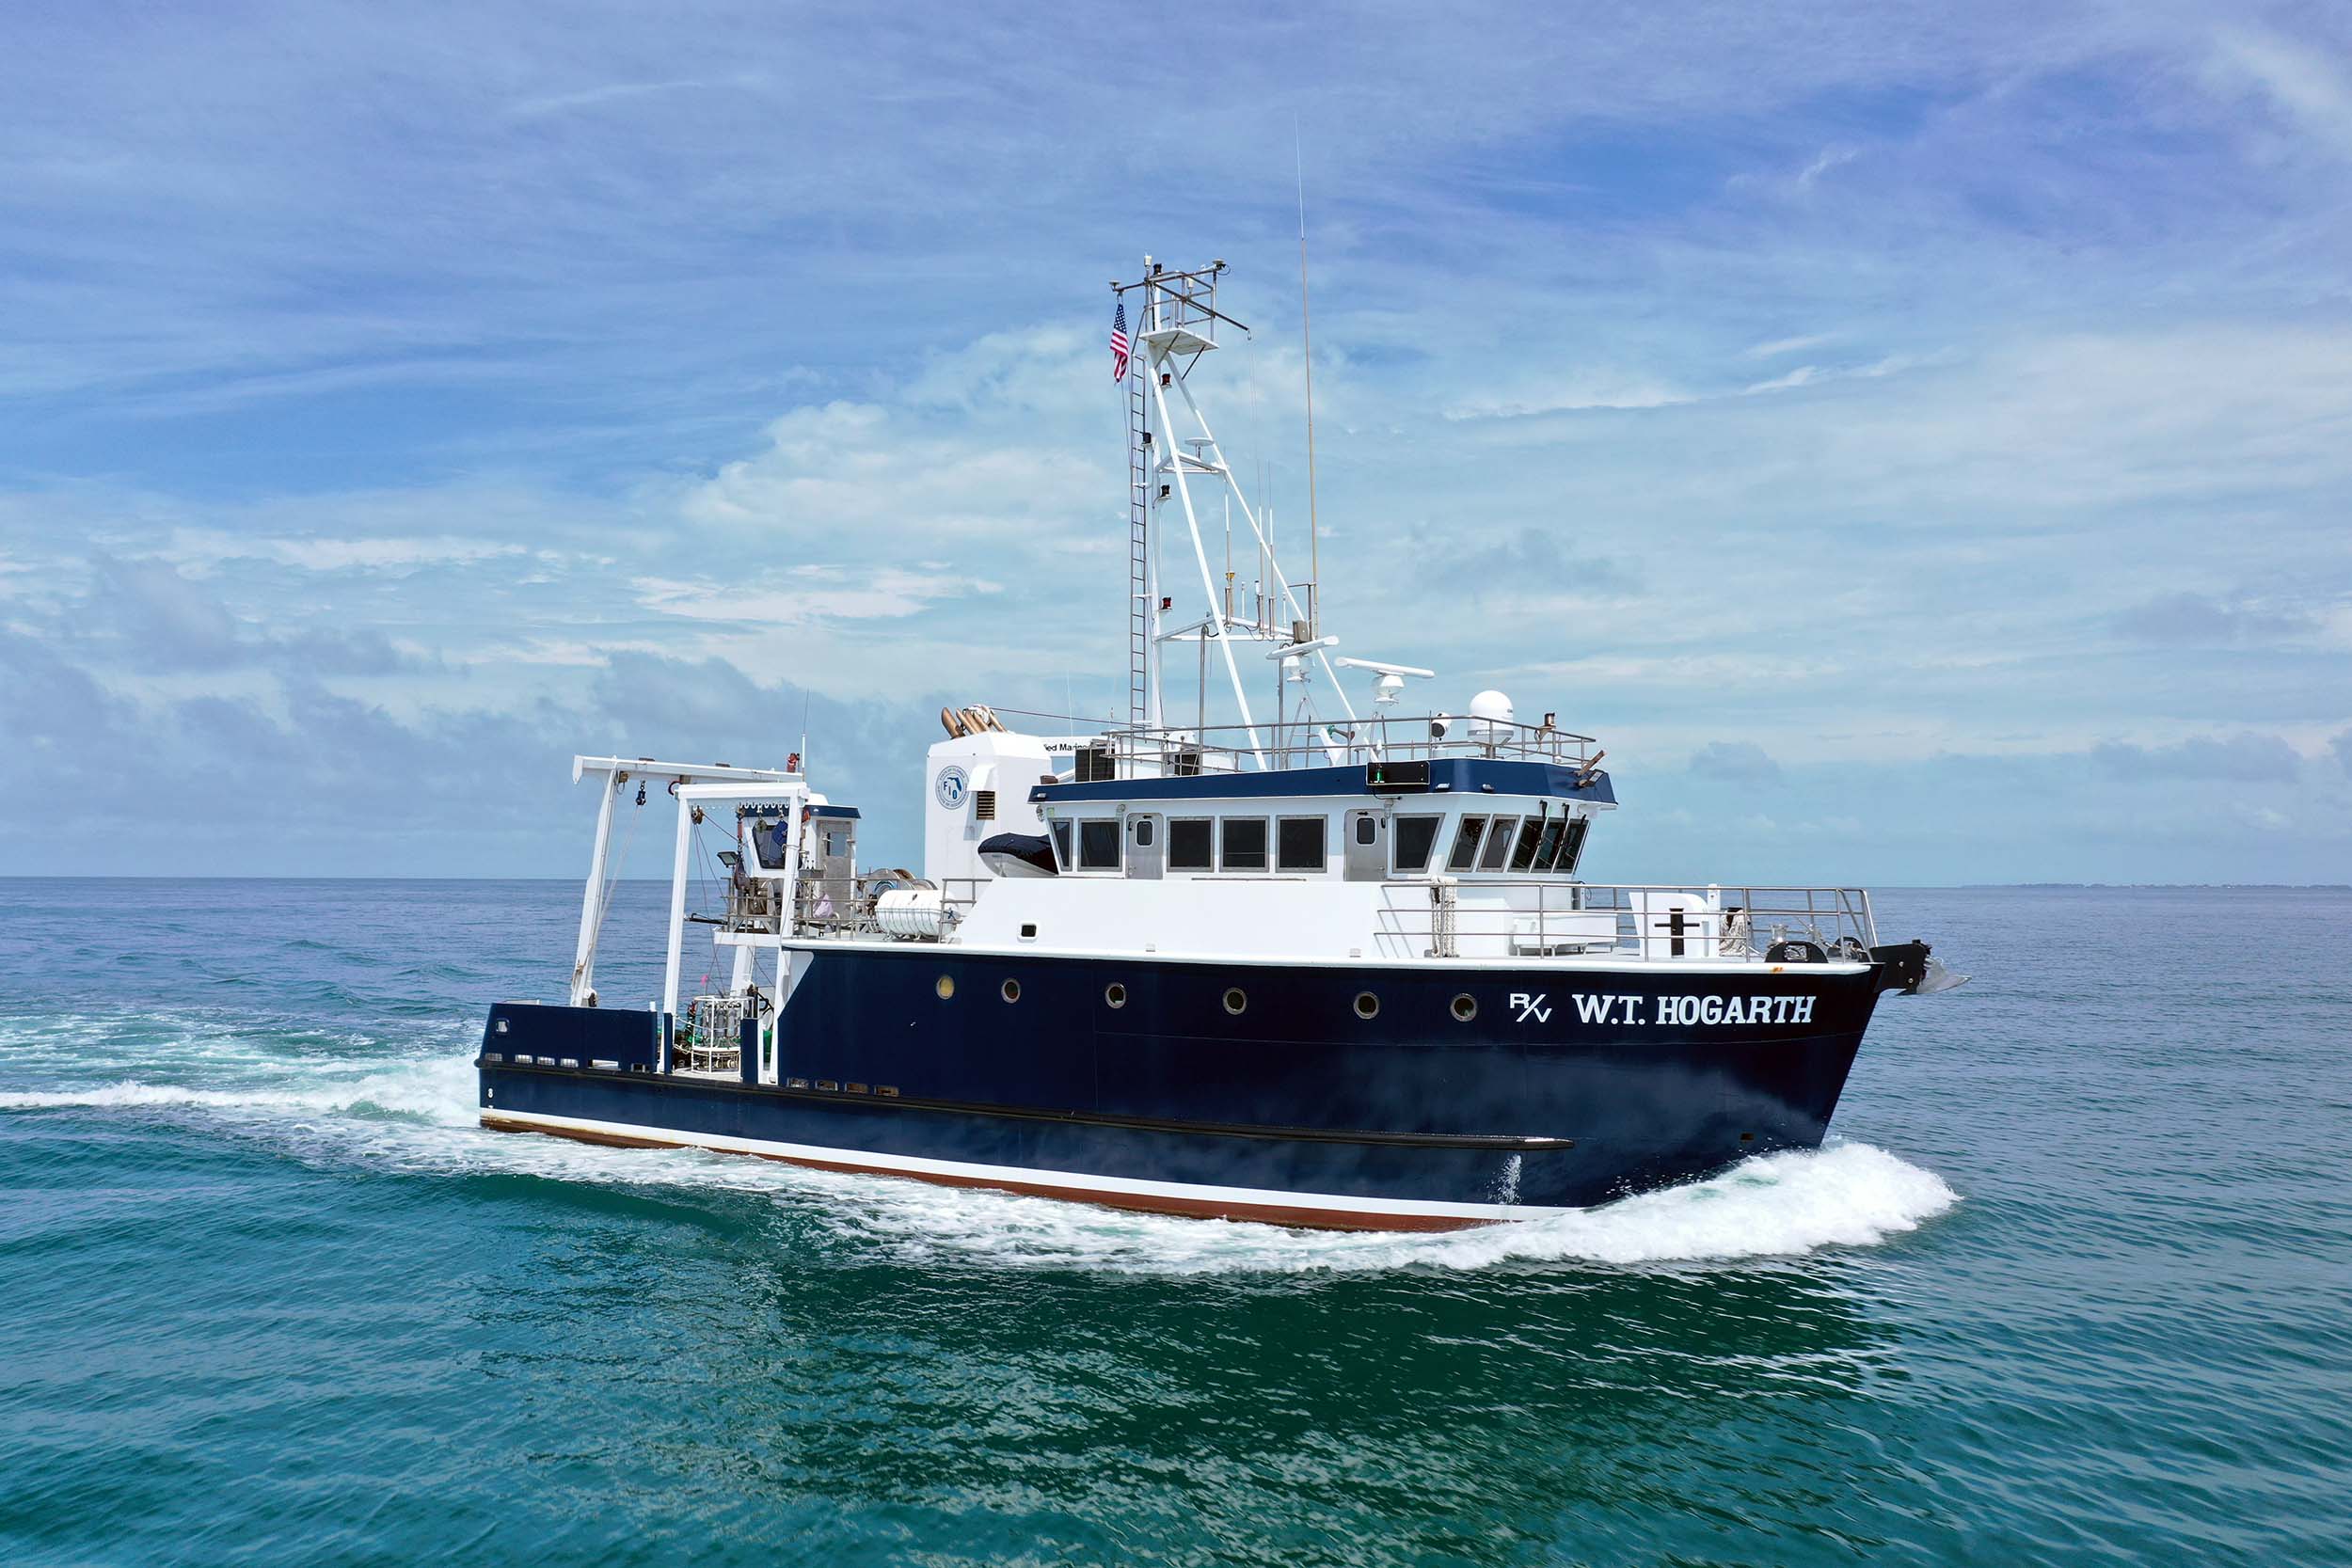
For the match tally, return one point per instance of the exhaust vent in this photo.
(984, 805)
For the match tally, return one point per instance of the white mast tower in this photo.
(1169, 447)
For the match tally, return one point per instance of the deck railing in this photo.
(1442, 918)
(1446, 919)
(1163, 749)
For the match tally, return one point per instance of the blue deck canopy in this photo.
(1450, 776)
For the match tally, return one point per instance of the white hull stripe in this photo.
(1071, 1184)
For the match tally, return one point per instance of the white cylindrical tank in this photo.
(912, 913)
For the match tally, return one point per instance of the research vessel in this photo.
(1325, 963)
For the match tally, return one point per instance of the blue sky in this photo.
(1916, 440)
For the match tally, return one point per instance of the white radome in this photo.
(1490, 713)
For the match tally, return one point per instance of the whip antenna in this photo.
(1307, 349)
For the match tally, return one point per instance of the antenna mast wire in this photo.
(1307, 346)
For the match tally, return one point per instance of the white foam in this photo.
(1778, 1205)
(420, 1115)
(422, 1089)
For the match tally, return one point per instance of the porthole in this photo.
(1235, 1001)
(1466, 1006)
(1010, 991)
(1367, 1004)
(946, 986)
(1115, 995)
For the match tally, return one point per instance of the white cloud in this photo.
(1802, 375)
(375, 555)
(831, 472)
(596, 97)
(1830, 158)
(1806, 376)
(2311, 84)
(807, 595)
(1779, 346)
(1571, 392)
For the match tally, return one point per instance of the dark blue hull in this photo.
(1137, 1082)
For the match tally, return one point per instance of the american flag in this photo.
(1120, 348)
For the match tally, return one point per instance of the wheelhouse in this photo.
(1467, 828)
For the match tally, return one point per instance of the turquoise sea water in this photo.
(2074, 1284)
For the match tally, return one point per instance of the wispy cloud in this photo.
(345, 554)
(1569, 395)
(1830, 158)
(1779, 346)
(595, 97)
(2310, 86)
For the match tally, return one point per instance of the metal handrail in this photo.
(1223, 748)
(1717, 923)
(1643, 920)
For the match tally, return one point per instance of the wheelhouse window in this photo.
(1465, 854)
(1531, 835)
(1549, 850)
(1301, 845)
(1098, 844)
(1498, 844)
(1572, 844)
(1188, 843)
(1061, 843)
(1415, 837)
(1242, 846)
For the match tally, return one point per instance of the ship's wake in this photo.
(1779, 1205)
(417, 1115)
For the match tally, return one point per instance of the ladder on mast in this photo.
(1138, 547)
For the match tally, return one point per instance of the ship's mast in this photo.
(1169, 447)
(1143, 605)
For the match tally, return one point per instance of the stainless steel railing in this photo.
(1227, 748)
(1446, 919)
(1522, 918)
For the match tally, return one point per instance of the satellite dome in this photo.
(1490, 711)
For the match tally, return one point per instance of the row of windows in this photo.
(1540, 845)
(1242, 842)
(1203, 844)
